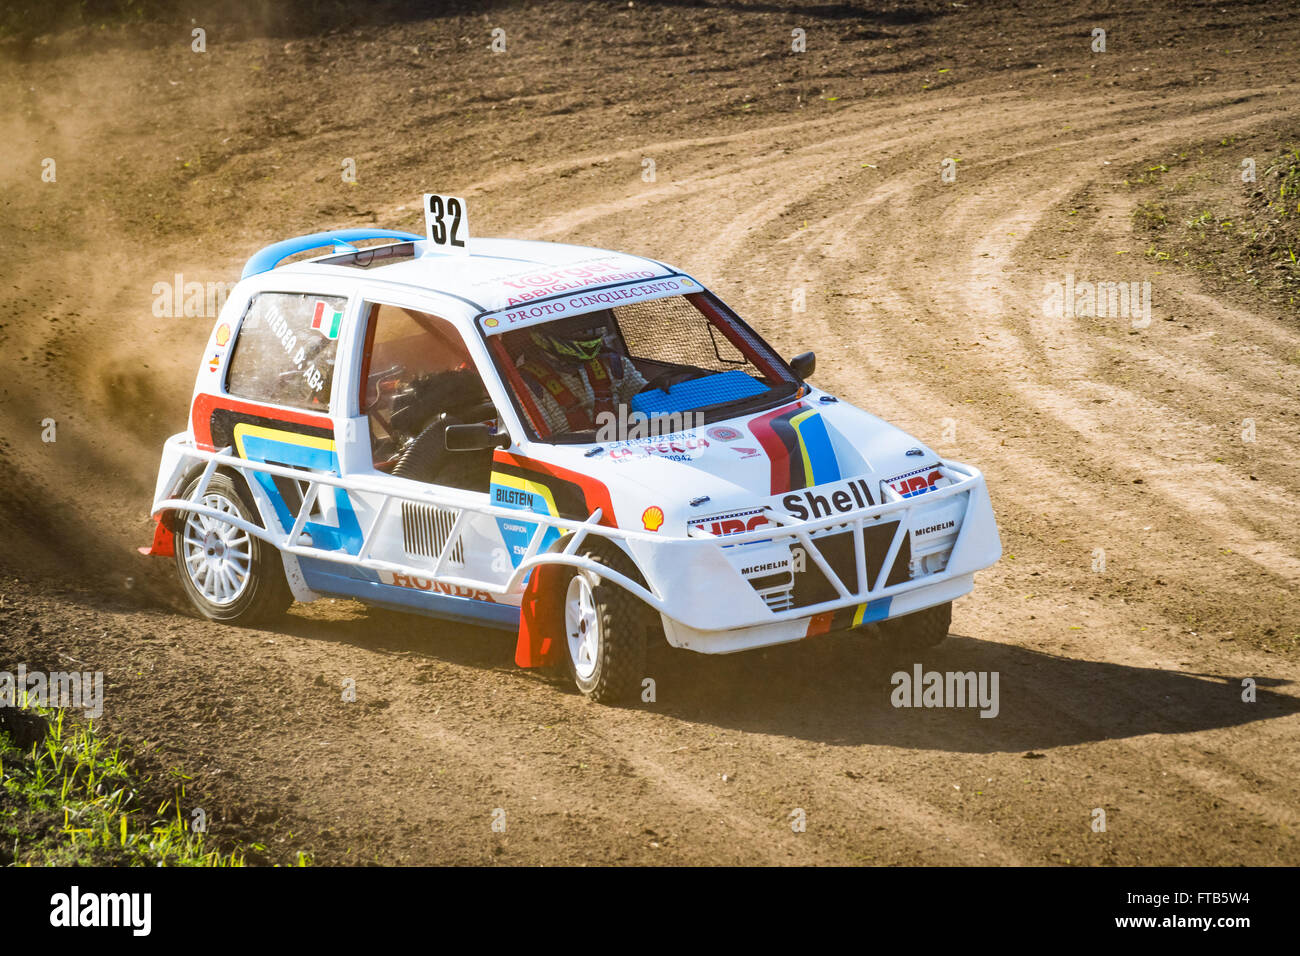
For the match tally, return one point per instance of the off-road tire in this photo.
(622, 620)
(919, 629)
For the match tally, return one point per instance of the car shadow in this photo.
(837, 689)
(840, 690)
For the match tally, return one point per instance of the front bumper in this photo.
(859, 566)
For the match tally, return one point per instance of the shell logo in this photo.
(653, 518)
(223, 334)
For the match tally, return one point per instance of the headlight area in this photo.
(769, 568)
(934, 532)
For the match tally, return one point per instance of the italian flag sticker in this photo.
(326, 321)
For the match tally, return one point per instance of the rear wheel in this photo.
(604, 632)
(228, 574)
(918, 629)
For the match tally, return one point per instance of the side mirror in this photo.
(476, 437)
(804, 364)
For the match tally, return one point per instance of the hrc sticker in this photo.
(916, 482)
(733, 522)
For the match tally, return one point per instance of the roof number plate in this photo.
(446, 224)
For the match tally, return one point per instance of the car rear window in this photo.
(285, 351)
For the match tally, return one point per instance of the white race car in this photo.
(586, 446)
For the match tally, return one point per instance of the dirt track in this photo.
(1121, 688)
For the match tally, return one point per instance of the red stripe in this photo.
(595, 493)
(819, 624)
(205, 404)
(778, 455)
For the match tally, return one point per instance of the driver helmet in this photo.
(572, 346)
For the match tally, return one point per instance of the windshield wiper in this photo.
(573, 438)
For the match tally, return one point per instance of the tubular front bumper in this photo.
(695, 582)
(707, 593)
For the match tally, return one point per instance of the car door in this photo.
(413, 375)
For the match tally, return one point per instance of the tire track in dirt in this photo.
(924, 304)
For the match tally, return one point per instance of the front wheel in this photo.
(228, 574)
(918, 629)
(605, 636)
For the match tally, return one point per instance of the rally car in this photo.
(580, 445)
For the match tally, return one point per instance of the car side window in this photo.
(418, 373)
(285, 351)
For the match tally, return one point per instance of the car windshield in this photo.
(664, 366)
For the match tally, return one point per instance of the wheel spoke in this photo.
(216, 555)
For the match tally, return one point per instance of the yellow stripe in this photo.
(859, 614)
(275, 434)
(530, 487)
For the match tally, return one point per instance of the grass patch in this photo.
(1150, 216)
(71, 797)
(1199, 212)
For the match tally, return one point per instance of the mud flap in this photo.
(163, 544)
(541, 618)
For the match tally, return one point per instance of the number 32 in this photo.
(438, 212)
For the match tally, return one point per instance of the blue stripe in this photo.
(872, 611)
(327, 577)
(817, 442)
(340, 239)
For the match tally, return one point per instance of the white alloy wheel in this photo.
(218, 556)
(228, 574)
(582, 626)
